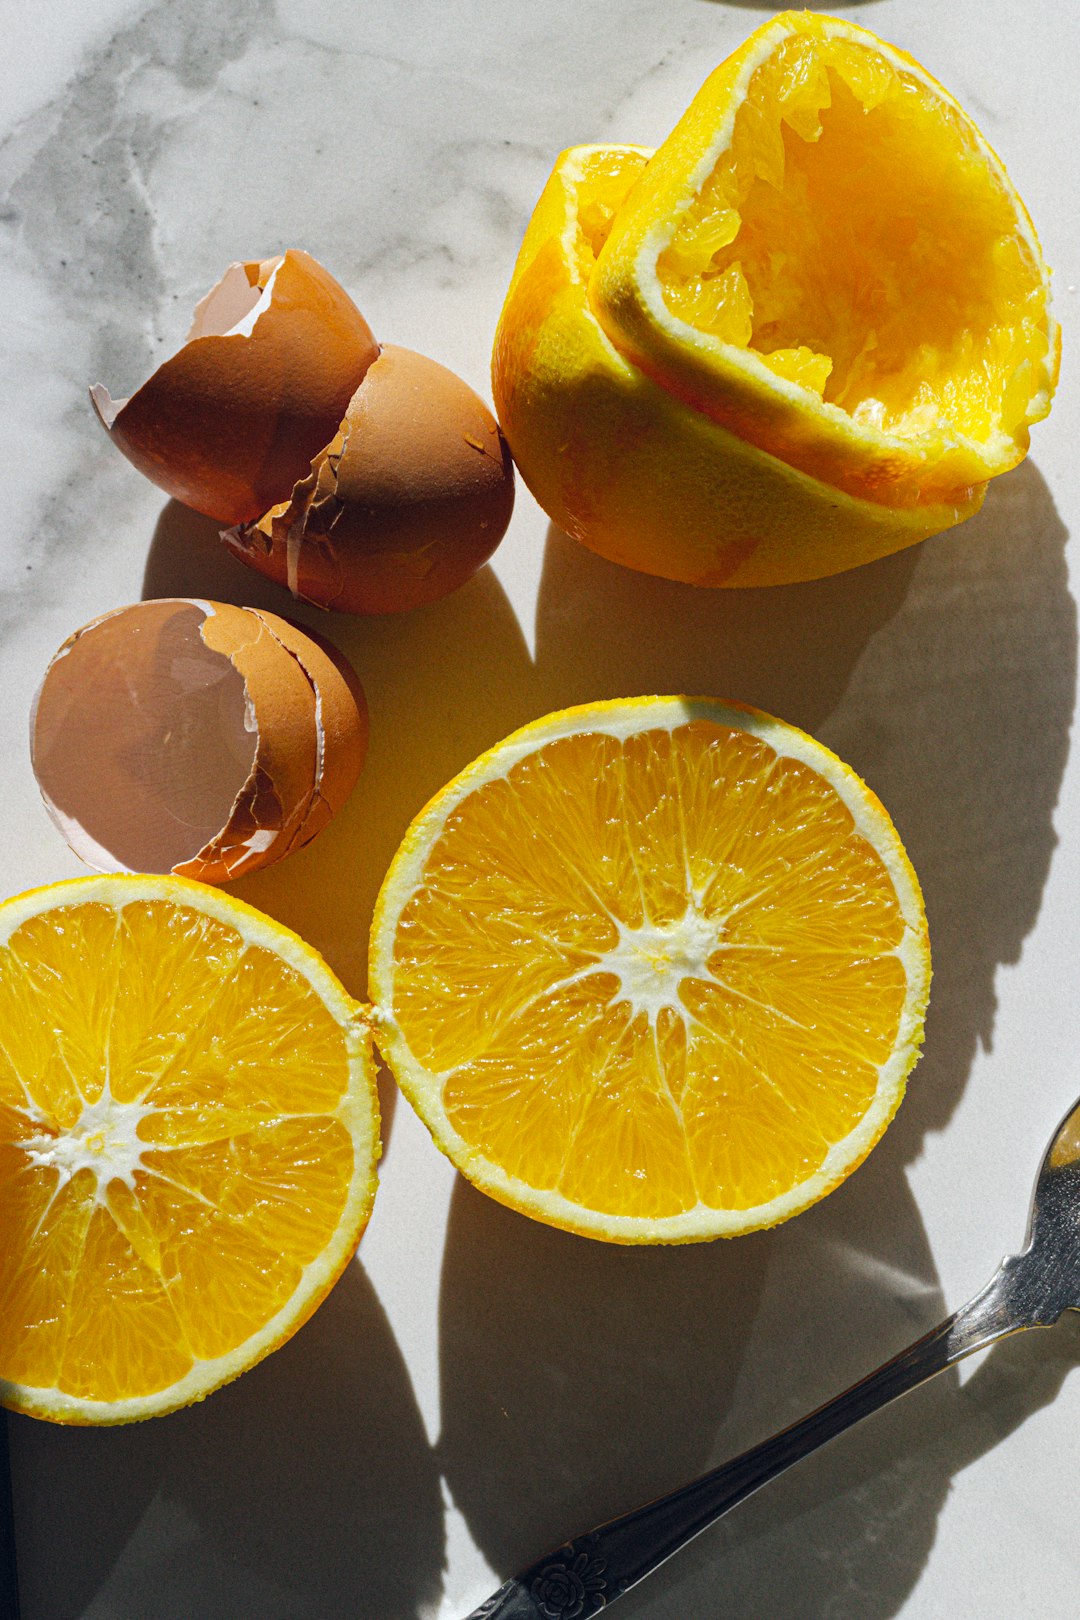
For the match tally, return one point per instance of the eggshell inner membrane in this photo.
(142, 739)
(230, 423)
(194, 737)
(407, 501)
(273, 802)
(232, 307)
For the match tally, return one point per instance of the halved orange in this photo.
(803, 333)
(652, 970)
(188, 1138)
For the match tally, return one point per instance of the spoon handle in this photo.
(594, 1570)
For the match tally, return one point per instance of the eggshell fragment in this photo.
(406, 502)
(194, 737)
(275, 352)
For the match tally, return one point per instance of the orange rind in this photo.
(802, 334)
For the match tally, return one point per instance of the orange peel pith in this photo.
(803, 333)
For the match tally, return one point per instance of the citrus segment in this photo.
(654, 970)
(189, 1135)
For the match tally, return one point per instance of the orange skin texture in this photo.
(894, 475)
(636, 474)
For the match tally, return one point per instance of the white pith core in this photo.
(651, 962)
(104, 1140)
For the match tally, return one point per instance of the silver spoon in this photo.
(1030, 1289)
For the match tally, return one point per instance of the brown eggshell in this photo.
(194, 737)
(341, 723)
(407, 501)
(231, 422)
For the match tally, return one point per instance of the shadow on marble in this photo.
(959, 717)
(567, 1372)
(832, 1539)
(307, 1487)
(442, 684)
(579, 1380)
(578, 1377)
(607, 631)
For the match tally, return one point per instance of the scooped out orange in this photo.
(802, 334)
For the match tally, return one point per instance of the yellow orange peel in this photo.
(802, 334)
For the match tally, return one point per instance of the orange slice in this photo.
(652, 970)
(188, 1139)
(802, 334)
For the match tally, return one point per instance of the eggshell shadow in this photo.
(442, 683)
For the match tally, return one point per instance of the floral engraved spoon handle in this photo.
(1030, 1289)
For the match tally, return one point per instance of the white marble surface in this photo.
(479, 1386)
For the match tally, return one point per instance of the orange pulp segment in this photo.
(652, 970)
(626, 466)
(188, 1138)
(827, 257)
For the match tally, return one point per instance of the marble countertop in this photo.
(478, 1387)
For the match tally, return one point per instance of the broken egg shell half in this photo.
(194, 737)
(230, 423)
(403, 505)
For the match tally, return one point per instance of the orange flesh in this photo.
(856, 240)
(184, 1038)
(601, 192)
(757, 1052)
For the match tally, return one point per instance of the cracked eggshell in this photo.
(275, 352)
(194, 737)
(406, 502)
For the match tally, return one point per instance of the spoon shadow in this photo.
(587, 1376)
(833, 1538)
